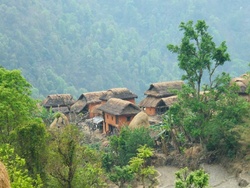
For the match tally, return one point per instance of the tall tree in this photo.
(198, 55)
(16, 104)
(70, 160)
(208, 106)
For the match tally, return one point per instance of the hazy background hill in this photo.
(75, 46)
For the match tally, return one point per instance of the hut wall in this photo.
(151, 111)
(131, 100)
(91, 108)
(116, 121)
(110, 119)
(125, 120)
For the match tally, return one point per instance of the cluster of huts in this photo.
(116, 107)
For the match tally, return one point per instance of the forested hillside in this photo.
(74, 46)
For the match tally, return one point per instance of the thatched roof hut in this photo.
(140, 120)
(163, 89)
(121, 93)
(85, 99)
(119, 107)
(58, 100)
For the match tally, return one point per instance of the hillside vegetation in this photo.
(72, 46)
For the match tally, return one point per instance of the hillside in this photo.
(72, 46)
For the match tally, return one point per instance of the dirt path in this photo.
(219, 177)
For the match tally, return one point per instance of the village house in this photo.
(160, 96)
(120, 93)
(59, 103)
(117, 113)
(88, 103)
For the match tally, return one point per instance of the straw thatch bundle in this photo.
(140, 120)
(121, 93)
(4, 177)
(58, 100)
(242, 82)
(119, 107)
(164, 89)
(60, 121)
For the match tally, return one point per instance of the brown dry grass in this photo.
(4, 177)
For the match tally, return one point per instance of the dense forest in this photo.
(73, 46)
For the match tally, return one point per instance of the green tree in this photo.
(70, 160)
(15, 165)
(17, 107)
(31, 144)
(124, 146)
(194, 179)
(121, 175)
(208, 106)
(140, 165)
(198, 55)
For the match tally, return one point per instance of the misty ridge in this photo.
(72, 46)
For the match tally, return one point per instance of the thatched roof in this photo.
(163, 89)
(58, 100)
(242, 82)
(92, 97)
(64, 109)
(169, 101)
(140, 120)
(120, 93)
(119, 107)
(149, 102)
(86, 98)
(155, 102)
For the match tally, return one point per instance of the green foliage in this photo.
(194, 179)
(208, 106)
(139, 165)
(70, 160)
(46, 115)
(16, 105)
(198, 54)
(121, 175)
(125, 145)
(31, 144)
(130, 35)
(18, 174)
